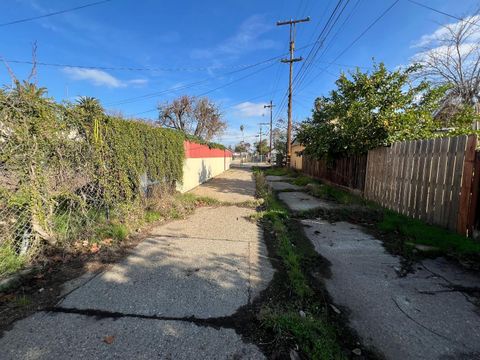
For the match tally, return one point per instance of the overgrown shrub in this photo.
(69, 171)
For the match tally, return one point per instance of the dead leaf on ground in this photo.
(95, 248)
(108, 339)
(107, 242)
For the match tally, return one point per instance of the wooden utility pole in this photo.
(271, 106)
(291, 60)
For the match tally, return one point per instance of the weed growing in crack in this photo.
(296, 315)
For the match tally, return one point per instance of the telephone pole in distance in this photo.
(291, 60)
(271, 106)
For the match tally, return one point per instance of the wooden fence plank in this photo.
(440, 183)
(433, 180)
(457, 181)
(465, 191)
(449, 177)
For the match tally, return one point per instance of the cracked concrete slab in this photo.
(300, 201)
(270, 178)
(72, 336)
(205, 266)
(282, 186)
(411, 317)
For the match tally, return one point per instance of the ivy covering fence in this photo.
(70, 173)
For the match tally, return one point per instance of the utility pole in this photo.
(291, 60)
(271, 106)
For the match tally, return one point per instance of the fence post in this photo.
(474, 200)
(466, 197)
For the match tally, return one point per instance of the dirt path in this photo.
(427, 314)
(172, 297)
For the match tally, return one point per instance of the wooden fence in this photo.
(349, 172)
(433, 180)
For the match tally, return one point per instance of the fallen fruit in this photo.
(108, 339)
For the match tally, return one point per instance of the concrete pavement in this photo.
(233, 186)
(428, 314)
(423, 315)
(169, 299)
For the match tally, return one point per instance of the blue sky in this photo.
(210, 43)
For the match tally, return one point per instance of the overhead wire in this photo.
(316, 46)
(214, 89)
(13, 22)
(377, 19)
(442, 12)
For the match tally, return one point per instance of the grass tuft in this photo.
(313, 333)
(419, 232)
(10, 261)
(303, 180)
(280, 171)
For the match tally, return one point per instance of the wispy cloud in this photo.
(442, 33)
(439, 45)
(101, 78)
(247, 38)
(138, 82)
(96, 77)
(250, 109)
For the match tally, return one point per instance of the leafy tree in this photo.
(199, 117)
(262, 147)
(240, 147)
(368, 110)
(279, 144)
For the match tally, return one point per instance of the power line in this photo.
(355, 40)
(314, 50)
(54, 13)
(302, 75)
(442, 12)
(328, 45)
(317, 41)
(214, 89)
(189, 85)
(130, 68)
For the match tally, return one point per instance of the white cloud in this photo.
(439, 46)
(138, 82)
(445, 52)
(101, 78)
(443, 32)
(249, 109)
(246, 39)
(96, 77)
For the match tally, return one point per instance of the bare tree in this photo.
(452, 56)
(194, 116)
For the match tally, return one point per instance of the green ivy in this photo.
(70, 165)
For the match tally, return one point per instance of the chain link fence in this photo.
(70, 175)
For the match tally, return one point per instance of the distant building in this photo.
(296, 158)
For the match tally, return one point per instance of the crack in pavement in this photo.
(429, 329)
(215, 322)
(183, 237)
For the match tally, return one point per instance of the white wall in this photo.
(198, 170)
